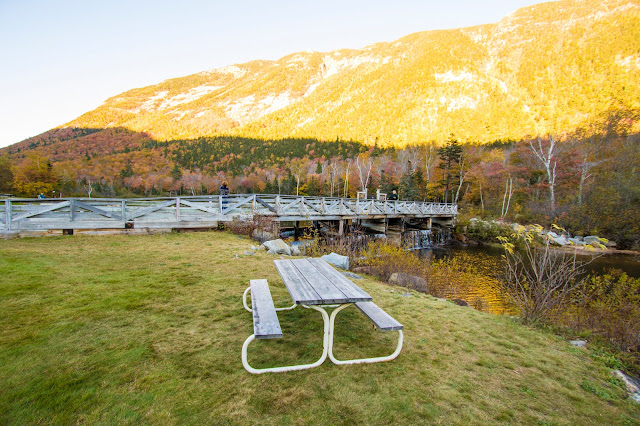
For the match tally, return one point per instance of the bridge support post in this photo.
(7, 215)
(296, 230)
(341, 228)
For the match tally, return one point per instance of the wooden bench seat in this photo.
(265, 319)
(382, 320)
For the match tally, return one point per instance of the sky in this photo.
(60, 59)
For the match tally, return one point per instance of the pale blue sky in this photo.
(62, 58)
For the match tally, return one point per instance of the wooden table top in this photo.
(315, 282)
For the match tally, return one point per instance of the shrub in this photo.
(450, 277)
(487, 232)
(610, 306)
(246, 227)
(538, 280)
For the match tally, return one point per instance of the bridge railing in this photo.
(197, 211)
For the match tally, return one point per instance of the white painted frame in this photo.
(327, 342)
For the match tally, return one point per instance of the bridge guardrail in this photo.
(194, 211)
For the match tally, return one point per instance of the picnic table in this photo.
(313, 284)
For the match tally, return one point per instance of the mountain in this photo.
(545, 68)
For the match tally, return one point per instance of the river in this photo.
(486, 261)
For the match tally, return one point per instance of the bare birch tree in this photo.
(297, 167)
(547, 157)
(346, 180)
(364, 165)
(461, 176)
(507, 190)
(430, 157)
(334, 172)
(89, 187)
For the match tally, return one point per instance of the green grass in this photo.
(148, 329)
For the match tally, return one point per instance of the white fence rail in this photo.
(201, 211)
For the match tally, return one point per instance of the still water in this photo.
(486, 263)
(483, 264)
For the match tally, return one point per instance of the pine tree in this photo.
(408, 188)
(449, 155)
(176, 173)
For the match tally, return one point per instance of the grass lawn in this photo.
(148, 329)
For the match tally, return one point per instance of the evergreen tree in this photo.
(127, 171)
(449, 155)
(420, 185)
(313, 187)
(408, 188)
(176, 173)
(6, 175)
(385, 184)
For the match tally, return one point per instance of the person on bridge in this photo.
(393, 196)
(224, 191)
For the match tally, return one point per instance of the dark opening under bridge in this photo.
(25, 215)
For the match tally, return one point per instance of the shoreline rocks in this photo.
(277, 247)
(497, 227)
(337, 260)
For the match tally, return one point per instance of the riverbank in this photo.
(581, 250)
(148, 330)
(477, 232)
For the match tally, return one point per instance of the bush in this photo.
(487, 232)
(538, 280)
(385, 258)
(351, 245)
(246, 227)
(450, 278)
(610, 306)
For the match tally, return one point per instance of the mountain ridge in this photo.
(544, 68)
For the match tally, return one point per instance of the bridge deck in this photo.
(200, 211)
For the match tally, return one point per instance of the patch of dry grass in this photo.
(148, 329)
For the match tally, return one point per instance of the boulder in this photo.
(591, 239)
(561, 240)
(460, 302)
(249, 253)
(579, 343)
(552, 234)
(262, 235)
(576, 241)
(595, 241)
(632, 384)
(295, 251)
(409, 281)
(337, 260)
(277, 247)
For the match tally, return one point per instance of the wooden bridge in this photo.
(208, 211)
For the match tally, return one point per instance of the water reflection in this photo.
(480, 267)
(479, 279)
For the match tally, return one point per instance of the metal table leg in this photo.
(244, 302)
(361, 360)
(325, 349)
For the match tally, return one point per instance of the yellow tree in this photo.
(35, 175)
